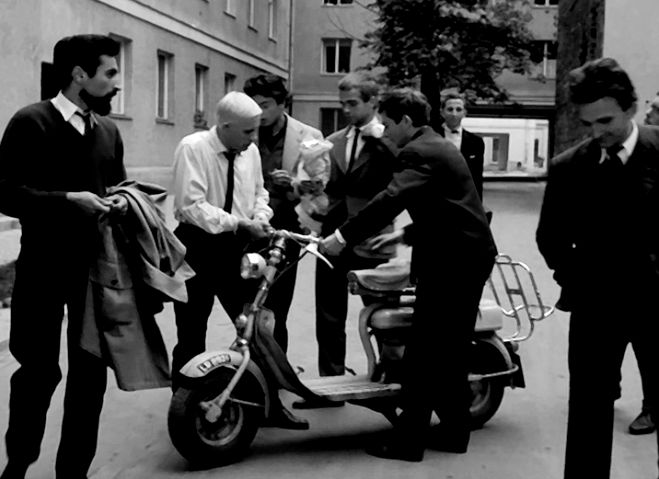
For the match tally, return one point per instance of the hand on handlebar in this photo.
(331, 245)
(256, 228)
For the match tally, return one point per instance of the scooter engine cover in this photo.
(392, 318)
(490, 317)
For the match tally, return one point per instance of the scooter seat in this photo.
(391, 276)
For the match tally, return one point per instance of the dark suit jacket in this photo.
(351, 187)
(473, 150)
(593, 231)
(434, 184)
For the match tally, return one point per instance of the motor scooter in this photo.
(226, 395)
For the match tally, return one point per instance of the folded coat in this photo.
(139, 266)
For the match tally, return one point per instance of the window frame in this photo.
(337, 49)
(229, 82)
(164, 95)
(230, 8)
(251, 15)
(123, 64)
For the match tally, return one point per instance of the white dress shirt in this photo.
(360, 140)
(455, 138)
(68, 110)
(627, 146)
(200, 182)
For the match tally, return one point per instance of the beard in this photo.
(101, 105)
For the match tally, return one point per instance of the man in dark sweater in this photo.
(599, 232)
(57, 158)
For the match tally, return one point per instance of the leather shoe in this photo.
(643, 424)
(284, 419)
(396, 450)
(441, 439)
(316, 404)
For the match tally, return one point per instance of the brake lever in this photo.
(313, 249)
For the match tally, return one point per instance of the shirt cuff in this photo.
(339, 237)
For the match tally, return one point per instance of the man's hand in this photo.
(281, 178)
(386, 239)
(89, 203)
(331, 245)
(257, 228)
(119, 204)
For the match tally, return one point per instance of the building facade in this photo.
(517, 135)
(178, 57)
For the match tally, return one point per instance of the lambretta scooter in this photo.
(225, 396)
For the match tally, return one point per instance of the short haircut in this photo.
(236, 105)
(81, 50)
(269, 86)
(364, 83)
(406, 101)
(452, 96)
(599, 79)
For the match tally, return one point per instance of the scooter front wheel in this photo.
(208, 444)
(486, 394)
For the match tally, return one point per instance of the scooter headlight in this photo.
(252, 266)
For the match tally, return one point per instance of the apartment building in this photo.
(178, 57)
(517, 135)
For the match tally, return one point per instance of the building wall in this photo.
(193, 31)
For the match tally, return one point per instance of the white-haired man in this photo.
(221, 204)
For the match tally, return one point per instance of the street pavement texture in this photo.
(524, 440)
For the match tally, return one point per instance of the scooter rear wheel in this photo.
(208, 444)
(487, 394)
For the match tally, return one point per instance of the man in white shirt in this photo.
(221, 204)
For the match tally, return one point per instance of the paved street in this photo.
(525, 439)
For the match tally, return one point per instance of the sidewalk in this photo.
(10, 237)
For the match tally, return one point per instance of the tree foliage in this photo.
(451, 44)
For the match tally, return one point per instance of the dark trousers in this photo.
(332, 309)
(600, 331)
(436, 361)
(643, 350)
(41, 291)
(216, 262)
(280, 296)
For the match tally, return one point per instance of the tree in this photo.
(450, 44)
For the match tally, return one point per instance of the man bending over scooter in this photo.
(453, 254)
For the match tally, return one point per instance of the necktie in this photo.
(613, 155)
(353, 150)
(87, 119)
(228, 199)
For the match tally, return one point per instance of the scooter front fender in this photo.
(203, 365)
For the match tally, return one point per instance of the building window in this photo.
(331, 120)
(546, 3)
(251, 15)
(230, 7)
(337, 2)
(272, 19)
(229, 82)
(336, 55)
(165, 85)
(200, 89)
(123, 63)
(544, 57)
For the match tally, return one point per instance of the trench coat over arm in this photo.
(139, 266)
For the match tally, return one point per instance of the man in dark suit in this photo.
(361, 165)
(599, 232)
(452, 256)
(453, 110)
(57, 159)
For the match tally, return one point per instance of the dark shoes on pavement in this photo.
(397, 449)
(316, 404)
(284, 419)
(441, 439)
(643, 424)
(399, 446)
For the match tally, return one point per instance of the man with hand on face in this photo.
(279, 141)
(452, 255)
(221, 204)
(453, 110)
(362, 163)
(599, 232)
(57, 160)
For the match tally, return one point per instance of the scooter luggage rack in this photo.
(512, 287)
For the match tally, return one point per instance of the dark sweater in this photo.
(42, 157)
